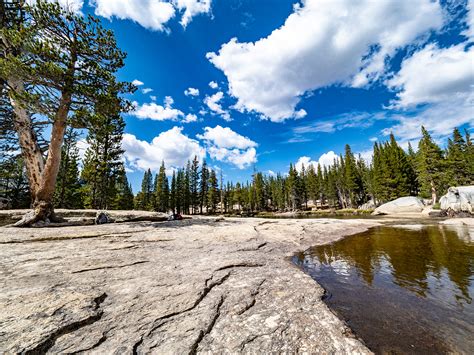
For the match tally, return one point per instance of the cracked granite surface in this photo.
(193, 286)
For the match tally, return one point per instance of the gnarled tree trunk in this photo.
(41, 175)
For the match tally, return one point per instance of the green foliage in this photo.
(56, 51)
(393, 174)
(431, 167)
(144, 199)
(161, 190)
(212, 192)
(458, 160)
(61, 68)
(103, 170)
(13, 182)
(194, 185)
(203, 186)
(69, 193)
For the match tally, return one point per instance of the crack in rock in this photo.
(282, 328)
(253, 293)
(110, 267)
(102, 339)
(244, 264)
(50, 340)
(258, 247)
(159, 322)
(202, 334)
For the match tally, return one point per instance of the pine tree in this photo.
(303, 187)
(392, 173)
(238, 196)
(330, 186)
(230, 197)
(431, 167)
(411, 157)
(312, 184)
(293, 186)
(14, 182)
(212, 192)
(320, 186)
(204, 186)
(457, 160)
(173, 193)
(68, 192)
(103, 162)
(469, 157)
(161, 190)
(63, 80)
(259, 191)
(352, 179)
(180, 191)
(194, 185)
(402, 177)
(144, 199)
(124, 194)
(187, 189)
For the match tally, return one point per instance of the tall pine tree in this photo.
(68, 192)
(431, 167)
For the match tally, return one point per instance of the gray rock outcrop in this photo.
(369, 205)
(102, 217)
(457, 200)
(402, 205)
(191, 286)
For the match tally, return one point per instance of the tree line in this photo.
(100, 180)
(348, 183)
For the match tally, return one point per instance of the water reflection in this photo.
(409, 274)
(412, 257)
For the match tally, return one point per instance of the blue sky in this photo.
(291, 81)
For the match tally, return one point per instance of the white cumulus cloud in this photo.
(434, 74)
(137, 82)
(190, 117)
(326, 159)
(441, 81)
(224, 137)
(213, 85)
(439, 118)
(321, 43)
(191, 92)
(172, 147)
(156, 112)
(213, 103)
(223, 144)
(192, 8)
(151, 14)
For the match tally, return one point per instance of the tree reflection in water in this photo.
(419, 273)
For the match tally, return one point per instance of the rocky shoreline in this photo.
(200, 285)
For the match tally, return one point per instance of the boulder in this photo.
(430, 212)
(409, 204)
(458, 200)
(103, 217)
(369, 205)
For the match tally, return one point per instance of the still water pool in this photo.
(402, 289)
